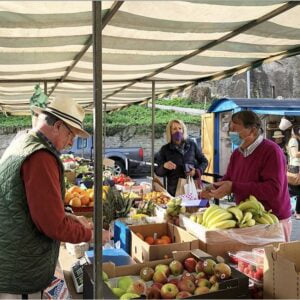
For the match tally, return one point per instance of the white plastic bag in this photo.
(190, 189)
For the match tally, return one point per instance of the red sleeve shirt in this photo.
(40, 173)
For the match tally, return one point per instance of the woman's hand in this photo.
(169, 165)
(191, 173)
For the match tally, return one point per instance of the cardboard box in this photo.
(219, 242)
(282, 271)
(236, 287)
(142, 251)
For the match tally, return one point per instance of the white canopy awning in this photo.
(176, 43)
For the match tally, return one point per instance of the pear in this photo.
(129, 296)
(124, 282)
(118, 292)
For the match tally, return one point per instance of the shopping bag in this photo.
(293, 178)
(190, 189)
(180, 186)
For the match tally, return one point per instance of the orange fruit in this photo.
(160, 242)
(140, 235)
(85, 200)
(68, 197)
(149, 240)
(74, 189)
(166, 238)
(91, 204)
(76, 202)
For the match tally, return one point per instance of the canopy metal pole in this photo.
(104, 127)
(153, 130)
(98, 151)
(248, 84)
(45, 87)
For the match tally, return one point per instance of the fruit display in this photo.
(178, 279)
(174, 208)
(78, 197)
(157, 197)
(122, 179)
(247, 214)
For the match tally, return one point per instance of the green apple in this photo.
(124, 282)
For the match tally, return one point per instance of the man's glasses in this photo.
(71, 133)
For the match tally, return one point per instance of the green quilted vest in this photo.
(28, 257)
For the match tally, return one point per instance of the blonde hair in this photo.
(168, 130)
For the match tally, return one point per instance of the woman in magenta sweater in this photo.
(257, 167)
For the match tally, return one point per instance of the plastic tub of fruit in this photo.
(250, 263)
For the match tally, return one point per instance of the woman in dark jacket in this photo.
(180, 157)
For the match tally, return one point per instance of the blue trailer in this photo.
(216, 143)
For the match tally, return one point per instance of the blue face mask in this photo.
(235, 138)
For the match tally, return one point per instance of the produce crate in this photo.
(234, 288)
(220, 241)
(142, 251)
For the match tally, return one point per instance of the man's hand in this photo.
(223, 188)
(169, 165)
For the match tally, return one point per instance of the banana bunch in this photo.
(214, 217)
(252, 207)
(174, 207)
(247, 214)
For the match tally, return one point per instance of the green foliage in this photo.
(134, 115)
(181, 102)
(15, 121)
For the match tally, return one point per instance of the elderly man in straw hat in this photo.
(32, 216)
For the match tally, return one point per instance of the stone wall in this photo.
(118, 140)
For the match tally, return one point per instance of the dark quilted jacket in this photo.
(28, 257)
(191, 155)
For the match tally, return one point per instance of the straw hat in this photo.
(67, 110)
(285, 124)
(277, 134)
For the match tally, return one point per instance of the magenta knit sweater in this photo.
(262, 174)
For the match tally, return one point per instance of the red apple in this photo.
(153, 293)
(137, 287)
(169, 291)
(186, 285)
(187, 275)
(183, 294)
(176, 267)
(157, 285)
(160, 276)
(190, 264)
(174, 281)
(199, 267)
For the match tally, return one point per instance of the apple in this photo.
(199, 267)
(209, 266)
(183, 294)
(176, 267)
(222, 271)
(146, 273)
(169, 291)
(186, 285)
(215, 287)
(153, 293)
(200, 275)
(160, 276)
(163, 268)
(201, 290)
(190, 264)
(137, 287)
(203, 282)
(118, 292)
(174, 281)
(187, 275)
(213, 279)
(157, 285)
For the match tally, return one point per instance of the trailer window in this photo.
(81, 143)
